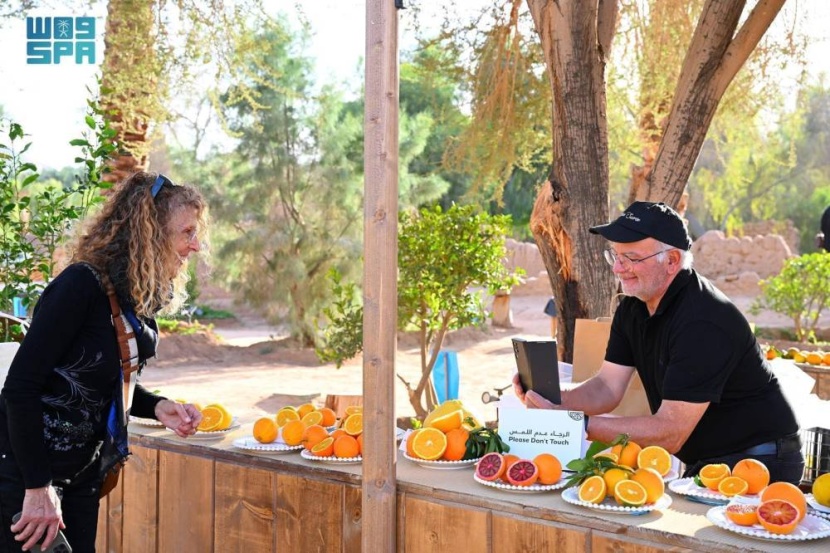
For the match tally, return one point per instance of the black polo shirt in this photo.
(698, 347)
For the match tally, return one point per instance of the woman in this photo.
(62, 383)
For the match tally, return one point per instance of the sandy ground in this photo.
(248, 367)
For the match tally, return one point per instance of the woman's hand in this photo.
(181, 418)
(531, 399)
(41, 516)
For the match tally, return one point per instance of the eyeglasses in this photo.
(611, 257)
(161, 180)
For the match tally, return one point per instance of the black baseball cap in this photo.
(643, 220)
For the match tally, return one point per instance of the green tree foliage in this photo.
(37, 213)
(447, 260)
(288, 200)
(801, 291)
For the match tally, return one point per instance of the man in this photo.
(712, 396)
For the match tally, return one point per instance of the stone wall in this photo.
(734, 264)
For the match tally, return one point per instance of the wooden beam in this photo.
(380, 289)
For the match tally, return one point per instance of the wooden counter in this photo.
(201, 496)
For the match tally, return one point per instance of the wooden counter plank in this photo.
(185, 495)
(101, 534)
(609, 543)
(309, 514)
(245, 509)
(515, 534)
(352, 519)
(141, 501)
(432, 527)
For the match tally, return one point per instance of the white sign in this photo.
(530, 432)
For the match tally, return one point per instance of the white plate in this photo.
(443, 465)
(146, 422)
(810, 527)
(817, 508)
(305, 454)
(251, 444)
(687, 487)
(671, 476)
(571, 495)
(533, 488)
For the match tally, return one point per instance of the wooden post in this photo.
(380, 287)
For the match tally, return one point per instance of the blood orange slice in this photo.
(778, 516)
(490, 467)
(523, 473)
(742, 515)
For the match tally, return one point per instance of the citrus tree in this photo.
(447, 261)
(801, 291)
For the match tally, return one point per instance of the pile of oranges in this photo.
(634, 480)
(782, 505)
(310, 427)
(444, 434)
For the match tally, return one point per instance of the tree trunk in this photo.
(576, 195)
(712, 61)
(128, 82)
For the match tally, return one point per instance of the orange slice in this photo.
(311, 418)
(428, 444)
(742, 515)
(211, 419)
(448, 422)
(778, 516)
(352, 409)
(593, 490)
(227, 419)
(353, 424)
(286, 414)
(630, 493)
(324, 449)
(711, 475)
(655, 457)
(732, 485)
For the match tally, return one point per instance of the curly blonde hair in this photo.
(129, 241)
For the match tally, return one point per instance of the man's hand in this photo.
(530, 398)
(181, 418)
(41, 516)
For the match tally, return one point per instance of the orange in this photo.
(742, 515)
(353, 424)
(352, 409)
(814, 358)
(614, 475)
(627, 456)
(787, 492)
(265, 430)
(324, 449)
(360, 444)
(825, 359)
(652, 483)
(732, 485)
(778, 516)
(592, 490)
(312, 418)
(456, 444)
(227, 419)
(305, 409)
(429, 444)
(754, 472)
(212, 419)
(550, 469)
(447, 422)
(329, 417)
(286, 414)
(292, 433)
(346, 446)
(630, 493)
(313, 435)
(523, 473)
(409, 441)
(655, 457)
(339, 432)
(711, 475)
(509, 459)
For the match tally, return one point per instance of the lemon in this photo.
(821, 490)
